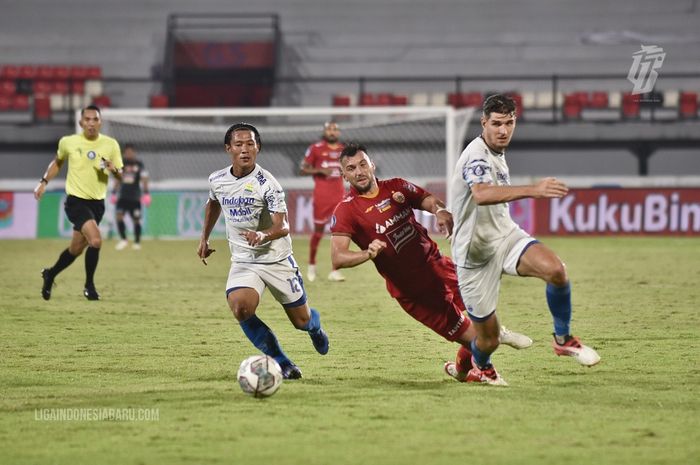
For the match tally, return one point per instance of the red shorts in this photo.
(324, 206)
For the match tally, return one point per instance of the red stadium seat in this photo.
(572, 107)
(94, 72)
(27, 72)
(45, 72)
(384, 99)
(78, 73)
(77, 87)
(60, 87)
(599, 100)
(8, 87)
(159, 101)
(20, 102)
(688, 105)
(61, 72)
(630, 106)
(102, 101)
(42, 108)
(454, 99)
(399, 99)
(9, 72)
(5, 102)
(42, 88)
(368, 100)
(342, 100)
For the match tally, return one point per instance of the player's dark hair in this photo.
(498, 103)
(244, 127)
(129, 145)
(351, 149)
(91, 107)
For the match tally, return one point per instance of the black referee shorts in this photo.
(132, 207)
(79, 211)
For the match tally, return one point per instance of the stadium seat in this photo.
(518, 103)
(384, 99)
(93, 88)
(42, 108)
(5, 102)
(57, 102)
(614, 99)
(61, 72)
(399, 99)
(42, 88)
(8, 87)
(60, 87)
(572, 107)
(78, 87)
(671, 98)
(20, 102)
(528, 100)
(688, 105)
(9, 72)
(45, 72)
(162, 101)
(420, 100)
(78, 73)
(339, 100)
(438, 99)
(94, 73)
(368, 100)
(543, 100)
(77, 101)
(102, 101)
(630, 106)
(598, 100)
(27, 72)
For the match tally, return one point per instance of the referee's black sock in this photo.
(121, 227)
(63, 262)
(92, 256)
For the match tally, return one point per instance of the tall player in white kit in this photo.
(257, 230)
(486, 242)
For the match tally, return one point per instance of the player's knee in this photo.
(241, 312)
(95, 242)
(489, 343)
(557, 274)
(301, 321)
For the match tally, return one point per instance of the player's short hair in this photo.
(91, 107)
(245, 127)
(498, 103)
(128, 146)
(351, 149)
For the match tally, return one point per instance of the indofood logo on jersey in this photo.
(238, 206)
(381, 228)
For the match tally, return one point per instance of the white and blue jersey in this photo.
(247, 204)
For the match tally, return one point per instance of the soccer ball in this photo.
(260, 376)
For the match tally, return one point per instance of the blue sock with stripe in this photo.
(481, 358)
(314, 324)
(264, 339)
(559, 301)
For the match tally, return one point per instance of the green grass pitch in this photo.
(163, 338)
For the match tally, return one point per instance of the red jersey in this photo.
(321, 155)
(411, 262)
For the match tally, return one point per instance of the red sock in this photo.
(313, 247)
(464, 359)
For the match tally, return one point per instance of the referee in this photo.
(91, 158)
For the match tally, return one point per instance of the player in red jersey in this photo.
(322, 161)
(378, 217)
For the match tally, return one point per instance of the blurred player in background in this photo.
(322, 161)
(378, 217)
(91, 158)
(487, 242)
(129, 196)
(261, 250)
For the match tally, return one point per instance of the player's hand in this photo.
(445, 222)
(108, 165)
(550, 188)
(39, 190)
(375, 248)
(203, 251)
(146, 200)
(254, 237)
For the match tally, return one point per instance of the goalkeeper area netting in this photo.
(181, 147)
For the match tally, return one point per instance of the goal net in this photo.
(181, 147)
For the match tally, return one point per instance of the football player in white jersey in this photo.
(486, 242)
(257, 230)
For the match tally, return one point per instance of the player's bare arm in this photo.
(444, 218)
(212, 210)
(109, 166)
(310, 170)
(343, 257)
(279, 228)
(50, 173)
(489, 194)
